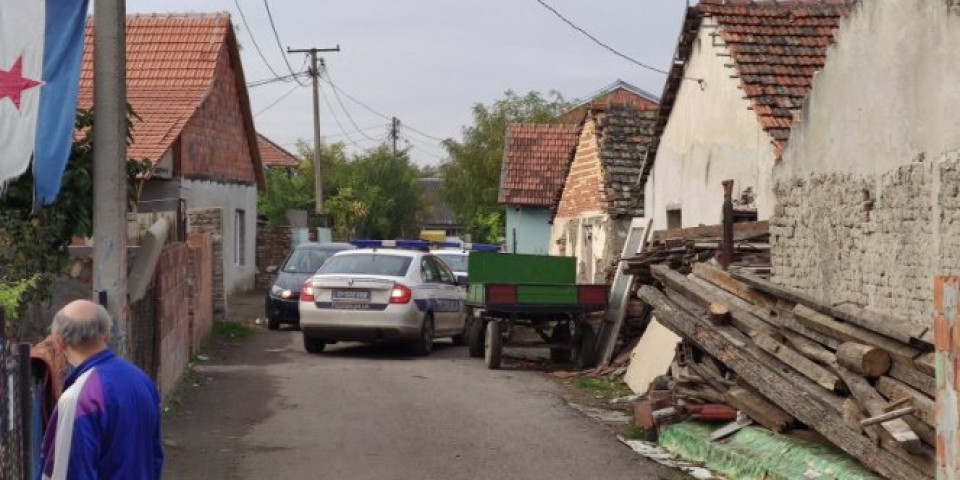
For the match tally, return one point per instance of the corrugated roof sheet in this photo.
(535, 163)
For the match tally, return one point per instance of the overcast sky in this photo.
(428, 61)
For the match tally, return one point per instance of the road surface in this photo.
(267, 410)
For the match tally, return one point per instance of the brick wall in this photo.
(213, 143)
(872, 240)
(173, 314)
(273, 245)
(583, 191)
(200, 287)
(210, 221)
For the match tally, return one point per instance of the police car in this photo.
(457, 255)
(383, 291)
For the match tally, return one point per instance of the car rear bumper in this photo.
(286, 311)
(396, 322)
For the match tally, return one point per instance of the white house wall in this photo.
(230, 197)
(712, 135)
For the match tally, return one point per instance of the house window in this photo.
(239, 237)
(674, 218)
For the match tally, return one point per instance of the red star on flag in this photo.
(12, 83)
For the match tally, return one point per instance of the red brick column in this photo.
(947, 339)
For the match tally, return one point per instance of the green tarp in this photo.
(757, 453)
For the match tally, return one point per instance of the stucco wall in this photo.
(868, 191)
(230, 198)
(596, 240)
(712, 135)
(528, 230)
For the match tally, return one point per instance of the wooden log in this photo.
(898, 329)
(780, 391)
(893, 389)
(926, 433)
(906, 373)
(897, 404)
(719, 314)
(852, 416)
(887, 415)
(798, 362)
(760, 410)
(741, 231)
(810, 349)
(871, 402)
(864, 359)
(852, 333)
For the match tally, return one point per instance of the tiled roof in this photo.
(171, 62)
(535, 163)
(777, 47)
(273, 155)
(619, 92)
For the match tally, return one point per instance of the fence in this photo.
(17, 443)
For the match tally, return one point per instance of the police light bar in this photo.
(475, 247)
(404, 244)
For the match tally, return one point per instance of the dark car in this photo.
(284, 296)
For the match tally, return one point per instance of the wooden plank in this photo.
(926, 363)
(911, 376)
(926, 433)
(798, 362)
(887, 415)
(864, 359)
(893, 389)
(741, 231)
(776, 388)
(853, 416)
(651, 357)
(851, 333)
(890, 327)
(723, 280)
(871, 402)
(620, 290)
(760, 410)
(809, 348)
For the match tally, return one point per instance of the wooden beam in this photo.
(926, 364)
(852, 416)
(723, 280)
(926, 407)
(798, 362)
(776, 388)
(864, 359)
(890, 415)
(851, 333)
(810, 349)
(760, 410)
(871, 402)
(741, 231)
(906, 373)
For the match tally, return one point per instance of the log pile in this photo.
(863, 381)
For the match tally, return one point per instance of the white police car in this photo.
(457, 255)
(384, 291)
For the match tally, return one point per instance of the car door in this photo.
(431, 291)
(449, 299)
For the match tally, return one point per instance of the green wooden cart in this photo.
(539, 292)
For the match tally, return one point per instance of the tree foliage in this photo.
(293, 189)
(471, 178)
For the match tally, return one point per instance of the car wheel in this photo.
(424, 344)
(493, 346)
(273, 323)
(475, 337)
(587, 356)
(313, 345)
(560, 336)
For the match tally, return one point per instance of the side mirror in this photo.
(462, 281)
(272, 269)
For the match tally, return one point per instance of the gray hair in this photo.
(79, 330)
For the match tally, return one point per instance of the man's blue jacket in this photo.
(106, 425)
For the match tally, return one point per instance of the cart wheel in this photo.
(560, 335)
(494, 346)
(587, 356)
(475, 337)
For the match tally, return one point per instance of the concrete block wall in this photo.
(200, 287)
(173, 314)
(273, 246)
(210, 221)
(872, 240)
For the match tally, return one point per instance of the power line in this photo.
(342, 106)
(336, 118)
(275, 102)
(276, 35)
(414, 130)
(267, 81)
(254, 40)
(422, 144)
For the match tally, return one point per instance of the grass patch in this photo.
(607, 387)
(231, 331)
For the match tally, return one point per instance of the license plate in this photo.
(351, 295)
(351, 306)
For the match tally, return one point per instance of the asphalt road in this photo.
(267, 410)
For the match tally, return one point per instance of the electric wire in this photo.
(336, 118)
(254, 40)
(278, 100)
(324, 69)
(267, 81)
(276, 35)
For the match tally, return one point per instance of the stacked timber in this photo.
(862, 380)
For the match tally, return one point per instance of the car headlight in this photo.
(276, 291)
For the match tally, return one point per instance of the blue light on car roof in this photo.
(424, 245)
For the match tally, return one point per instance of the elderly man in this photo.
(107, 422)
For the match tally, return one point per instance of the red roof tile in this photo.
(535, 163)
(273, 155)
(171, 60)
(777, 47)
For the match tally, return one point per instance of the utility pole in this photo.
(109, 164)
(315, 73)
(395, 133)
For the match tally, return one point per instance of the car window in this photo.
(367, 264)
(306, 260)
(457, 263)
(428, 270)
(446, 276)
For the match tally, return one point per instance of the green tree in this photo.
(294, 188)
(471, 178)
